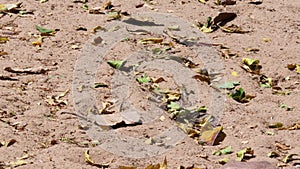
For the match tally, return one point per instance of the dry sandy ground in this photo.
(49, 134)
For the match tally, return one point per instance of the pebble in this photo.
(248, 165)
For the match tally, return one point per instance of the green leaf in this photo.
(117, 64)
(229, 85)
(250, 62)
(202, 109)
(242, 153)
(238, 95)
(226, 150)
(43, 30)
(173, 106)
(265, 81)
(85, 7)
(223, 151)
(143, 79)
(98, 85)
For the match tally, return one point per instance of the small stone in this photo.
(248, 165)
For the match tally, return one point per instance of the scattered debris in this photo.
(37, 70)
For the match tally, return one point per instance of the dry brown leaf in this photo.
(282, 146)
(37, 70)
(151, 40)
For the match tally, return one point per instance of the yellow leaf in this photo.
(202, 1)
(164, 164)
(209, 136)
(206, 30)
(298, 69)
(38, 42)
(87, 158)
(234, 73)
(266, 40)
(3, 39)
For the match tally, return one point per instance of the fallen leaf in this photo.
(223, 151)
(233, 29)
(151, 40)
(172, 96)
(252, 49)
(209, 136)
(239, 95)
(289, 158)
(229, 85)
(75, 47)
(97, 29)
(98, 85)
(113, 15)
(173, 106)
(18, 163)
(202, 77)
(37, 70)
(143, 79)
(298, 69)
(246, 152)
(206, 30)
(39, 42)
(282, 146)
(85, 7)
(87, 158)
(2, 53)
(7, 143)
(96, 10)
(224, 160)
(250, 62)
(227, 54)
(203, 1)
(44, 31)
(164, 164)
(234, 73)
(158, 80)
(275, 125)
(3, 39)
(266, 40)
(12, 8)
(105, 108)
(273, 154)
(117, 64)
(295, 126)
(251, 65)
(265, 81)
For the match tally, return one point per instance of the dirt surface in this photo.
(45, 131)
